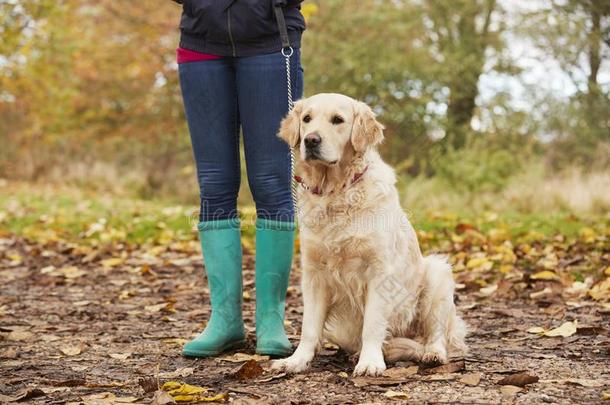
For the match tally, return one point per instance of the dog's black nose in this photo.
(312, 140)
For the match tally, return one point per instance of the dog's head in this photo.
(328, 127)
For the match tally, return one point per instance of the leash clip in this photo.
(287, 52)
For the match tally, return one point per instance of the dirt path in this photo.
(91, 325)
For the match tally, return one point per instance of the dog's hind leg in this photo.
(441, 325)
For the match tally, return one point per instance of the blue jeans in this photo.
(222, 95)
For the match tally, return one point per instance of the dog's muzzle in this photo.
(312, 146)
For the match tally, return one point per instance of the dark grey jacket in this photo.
(238, 27)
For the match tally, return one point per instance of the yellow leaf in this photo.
(112, 262)
(182, 392)
(601, 290)
(479, 263)
(607, 271)
(174, 388)
(308, 10)
(588, 235)
(545, 275)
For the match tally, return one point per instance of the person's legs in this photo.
(210, 101)
(263, 102)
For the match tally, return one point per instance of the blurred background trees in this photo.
(475, 94)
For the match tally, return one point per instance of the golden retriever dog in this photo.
(366, 286)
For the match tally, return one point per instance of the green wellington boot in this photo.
(274, 248)
(221, 246)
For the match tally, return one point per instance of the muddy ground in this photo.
(94, 325)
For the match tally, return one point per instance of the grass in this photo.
(50, 212)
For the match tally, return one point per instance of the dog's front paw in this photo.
(292, 364)
(370, 367)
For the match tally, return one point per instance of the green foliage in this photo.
(475, 170)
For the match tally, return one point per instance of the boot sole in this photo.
(211, 353)
(273, 352)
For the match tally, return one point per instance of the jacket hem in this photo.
(260, 46)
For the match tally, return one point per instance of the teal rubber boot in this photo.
(221, 246)
(274, 248)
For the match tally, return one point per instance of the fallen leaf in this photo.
(544, 275)
(395, 394)
(481, 263)
(22, 395)
(155, 308)
(241, 357)
(509, 391)
(182, 392)
(583, 382)
(20, 335)
(519, 379)
(453, 367)
(71, 350)
(472, 379)
(566, 329)
(247, 371)
(150, 384)
(273, 377)
(162, 398)
(112, 262)
(175, 341)
(121, 356)
(487, 291)
(400, 372)
(537, 294)
(601, 290)
(181, 372)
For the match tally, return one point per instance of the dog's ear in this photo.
(290, 128)
(366, 131)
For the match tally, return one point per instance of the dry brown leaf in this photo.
(583, 382)
(519, 379)
(400, 372)
(247, 371)
(472, 379)
(453, 367)
(22, 395)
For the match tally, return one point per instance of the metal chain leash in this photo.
(287, 53)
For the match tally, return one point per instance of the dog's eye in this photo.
(337, 120)
(307, 118)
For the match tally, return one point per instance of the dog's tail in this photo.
(400, 348)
